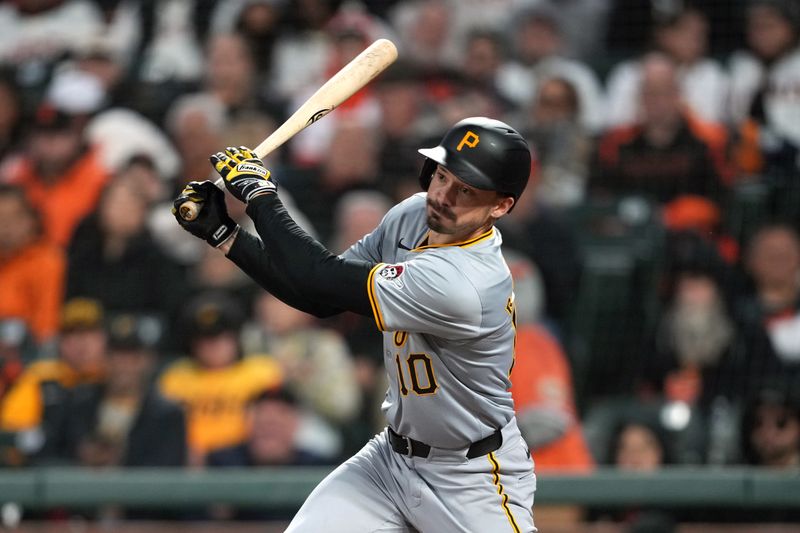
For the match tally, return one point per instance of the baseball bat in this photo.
(341, 86)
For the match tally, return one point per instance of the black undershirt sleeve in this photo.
(296, 268)
(249, 254)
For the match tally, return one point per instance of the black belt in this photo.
(414, 448)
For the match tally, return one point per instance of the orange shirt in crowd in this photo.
(31, 287)
(70, 198)
(541, 377)
(216, 399)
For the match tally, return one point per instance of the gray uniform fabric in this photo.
(447, 317)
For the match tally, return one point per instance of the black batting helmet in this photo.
(483, 152)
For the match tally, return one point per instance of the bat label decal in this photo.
(319, 114)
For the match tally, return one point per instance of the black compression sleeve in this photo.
(309, 267)
(248, 253)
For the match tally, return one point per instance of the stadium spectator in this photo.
(196, 123)
(302, 48)
(121, 134)
(667, 152)
(31, 268)
(113, 260)
(171, 41)
(426, 34)
(773, 264)
(124, 421)
(36, 405)
(695, 332)
(357, 213)
(35, 35)
(350, 163)
(764, 80)
(60, 173)
(316, 362)
(771, 430)
(231, 76)
(141, 173)
(537, 51)
(544, 236)
(563, 146)
(541, 382)
(769, 438)
(682, 34)
(276, 421)
(400, 92)
(349, 32)
(216, 380)
(212, 272)
(583, 25)
(258, 21)
(640, 445)
(484, 53)
(637, 442)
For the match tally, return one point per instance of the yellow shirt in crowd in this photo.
(215, 399)
(23, 406)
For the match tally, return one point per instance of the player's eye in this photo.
(465, 190)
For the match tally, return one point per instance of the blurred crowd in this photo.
(656, 252)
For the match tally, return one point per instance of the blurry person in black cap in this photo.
(125, 421)
(61, 174)
(275, 419)
(216, 382)
(35, 406)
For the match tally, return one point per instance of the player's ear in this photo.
(502, 206)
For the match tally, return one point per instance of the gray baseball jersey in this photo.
(447, 313)
(447, 317)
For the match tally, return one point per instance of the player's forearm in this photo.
(248, 253)
(307, 265)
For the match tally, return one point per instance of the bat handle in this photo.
(189, 210)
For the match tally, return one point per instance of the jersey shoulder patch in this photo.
(390, 272)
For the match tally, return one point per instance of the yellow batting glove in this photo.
(243, 172)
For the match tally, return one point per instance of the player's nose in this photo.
(445, 194)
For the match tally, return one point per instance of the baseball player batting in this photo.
(433, 277)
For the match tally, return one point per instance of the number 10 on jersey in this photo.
(416, 365)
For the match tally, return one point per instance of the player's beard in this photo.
(436, 216)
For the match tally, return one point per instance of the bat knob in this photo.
(189, 210)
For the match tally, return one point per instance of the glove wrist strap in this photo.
(224, 232)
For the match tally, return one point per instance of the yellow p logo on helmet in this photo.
(470, 139)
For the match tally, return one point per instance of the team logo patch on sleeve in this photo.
(390, 272)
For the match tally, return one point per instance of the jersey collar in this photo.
(464, 244)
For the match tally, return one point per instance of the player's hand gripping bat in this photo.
(341, 86)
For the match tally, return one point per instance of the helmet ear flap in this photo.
(426, 174)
